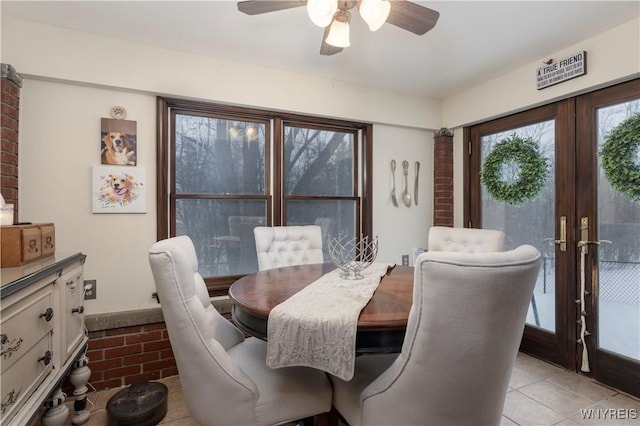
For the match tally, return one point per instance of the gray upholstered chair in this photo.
(463, 334)
(280, 246)
(224, 377)
(468, 240)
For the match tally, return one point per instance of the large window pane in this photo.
(219, 156)
(225, 169)
(318, 162)
(335, 217)
(619, 254)
(222, 232)
(530, 223)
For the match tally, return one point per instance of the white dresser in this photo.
(43, 339)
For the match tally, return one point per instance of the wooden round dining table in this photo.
(381, 324)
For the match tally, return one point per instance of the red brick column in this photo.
(9, 109)
(443, 178)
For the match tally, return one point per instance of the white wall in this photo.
(42, 51)
(401, 228)
(612, 56)
(67, 89)
(73, 79)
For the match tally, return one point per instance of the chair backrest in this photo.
(212, 384)
(468, 240)
(463, 335)
(279, 246)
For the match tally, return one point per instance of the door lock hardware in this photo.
(562, 242)
(584, 242)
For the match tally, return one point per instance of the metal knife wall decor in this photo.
(415, 186)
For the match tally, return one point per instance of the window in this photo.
(223, 170)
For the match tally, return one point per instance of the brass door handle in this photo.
(562, 242)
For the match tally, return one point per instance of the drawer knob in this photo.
(47, 315)
(48, 242)
(78, 310)
(46, 359)
(33, 246)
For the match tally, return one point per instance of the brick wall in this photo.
(121, 356)
(11, 83)
(133, 346)
(443, 178)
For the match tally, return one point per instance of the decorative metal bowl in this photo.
(352, 256)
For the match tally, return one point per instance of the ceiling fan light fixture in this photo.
(339, 31)
(375, 12)
(321, 11)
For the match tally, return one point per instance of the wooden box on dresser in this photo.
(43, 339)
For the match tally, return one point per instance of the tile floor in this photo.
(539, 394)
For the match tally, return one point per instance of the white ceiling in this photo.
(472, 42)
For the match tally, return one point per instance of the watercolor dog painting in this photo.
(119, 190)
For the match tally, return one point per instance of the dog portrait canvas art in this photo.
(118, 142)
(119, 190)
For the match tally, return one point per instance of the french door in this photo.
(610, 222)
(585, 312)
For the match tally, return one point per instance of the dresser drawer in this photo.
(23, 377)
(24, 324)
(71, 284)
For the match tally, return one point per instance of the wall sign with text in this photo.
(562, 70)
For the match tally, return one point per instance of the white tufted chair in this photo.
(463, 334)
(224, 378)
(468, 240)
(280, 246)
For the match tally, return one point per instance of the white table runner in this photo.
(316, 327)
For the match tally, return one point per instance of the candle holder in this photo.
(352, 256)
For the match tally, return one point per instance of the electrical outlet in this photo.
(405, 260)
(90, 290)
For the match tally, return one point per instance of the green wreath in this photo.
(529, 170)
(619, 156)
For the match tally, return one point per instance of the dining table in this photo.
(382, 322)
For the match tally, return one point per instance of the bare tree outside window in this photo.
(228, 171)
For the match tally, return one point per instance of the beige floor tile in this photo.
(582, 385)
(539, 394)
(176, 407)
(535, 366)
(526, 412)
(522, 377)
(505, 421)
(624, 401)
(187, 421)
(559, 399)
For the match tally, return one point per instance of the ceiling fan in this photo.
(334, 16)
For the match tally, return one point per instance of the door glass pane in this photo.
(619, 261)
(222, 232)
(219, 156)
(318, 162)
(529, 223)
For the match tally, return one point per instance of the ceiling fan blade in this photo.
(412, 17)
(256, 7)
(325, 48)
